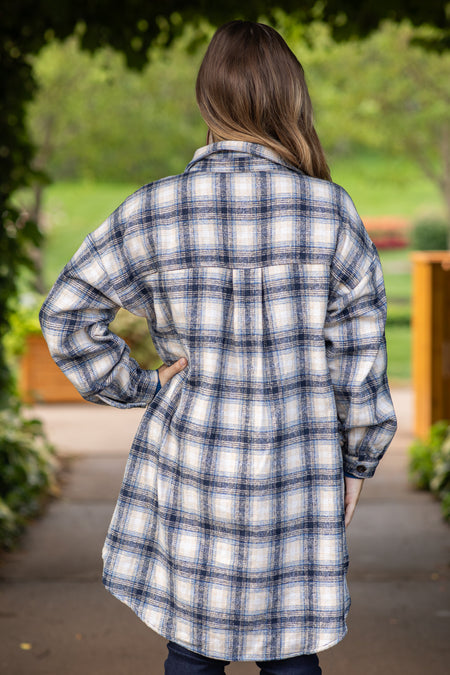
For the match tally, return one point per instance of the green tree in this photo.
(386, 92)
(131, 28)
(401, 104)
(94, 117)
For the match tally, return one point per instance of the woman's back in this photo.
(228, 535)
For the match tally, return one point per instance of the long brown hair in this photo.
(251, 87)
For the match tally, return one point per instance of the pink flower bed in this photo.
(388, 232)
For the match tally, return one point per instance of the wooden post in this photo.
(431, 338)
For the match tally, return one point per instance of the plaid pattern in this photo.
(228, 535)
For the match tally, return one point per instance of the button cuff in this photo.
(358, 467)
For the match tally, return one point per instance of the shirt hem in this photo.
(170, 636)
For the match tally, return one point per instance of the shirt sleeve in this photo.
(349, 475)
(356, 347)
(75, 320)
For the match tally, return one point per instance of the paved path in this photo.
(52, 598)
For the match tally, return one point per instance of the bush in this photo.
(430, 234)
(28, 467)
(24, 321)
(133, 329)
(429, 464)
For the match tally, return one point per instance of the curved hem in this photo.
(140, 614)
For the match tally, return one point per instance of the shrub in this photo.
(24, 321)
(429, 464)
(133, 329)
(28, 468)
(430, 234)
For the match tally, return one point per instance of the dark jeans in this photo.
(182, 661)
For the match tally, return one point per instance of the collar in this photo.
(245, 147)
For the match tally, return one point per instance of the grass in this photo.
(383, 186)
(398, 341)
(397, 279)
(72, 210)
(397, 274)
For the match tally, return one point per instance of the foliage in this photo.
(114, 124)
(429, 234)
(134, 331)
(130, 28)
(28, 469)
(17, 235)
(24, 320)
(429, 464)
(93, 117)
(400, 104)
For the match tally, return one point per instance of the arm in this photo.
(356, 348)
(74, 320)
(353, 488)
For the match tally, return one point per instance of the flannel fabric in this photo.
(228, 535)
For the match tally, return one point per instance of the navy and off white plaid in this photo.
(228, 536)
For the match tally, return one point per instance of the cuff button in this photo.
(361, 468)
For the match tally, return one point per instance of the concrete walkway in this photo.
(57, 619)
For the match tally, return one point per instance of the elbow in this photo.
(45, 318)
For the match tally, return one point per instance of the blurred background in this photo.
(95, 107)
(98, 99)
(101, 130)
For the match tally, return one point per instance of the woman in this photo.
(228, 537)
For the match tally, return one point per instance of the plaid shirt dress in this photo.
(228, 536)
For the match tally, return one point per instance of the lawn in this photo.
(397, 278)
(72, 210)
(377, 187)
(398, 340)
(381, 186)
